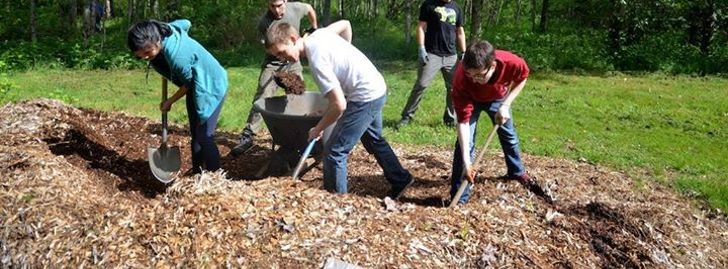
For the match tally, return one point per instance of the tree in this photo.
(543, 26)
(326, 12)
(475, 19)
(33, 21)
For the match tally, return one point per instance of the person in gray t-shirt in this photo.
(279, 11)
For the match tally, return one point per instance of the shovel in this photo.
(305, 154)
(464, 183)
(164, 161)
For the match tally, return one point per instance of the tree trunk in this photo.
(498, 11)
(130, 11)
(154, 5)
(543, 26)
(341, 9)
(517, 17)
(475, 19)
(408, 23)
(615, 29)
(33, 22)
(109, 8)
(534, 9)
(375, 7)
(326, 12)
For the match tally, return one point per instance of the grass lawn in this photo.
(670, 128)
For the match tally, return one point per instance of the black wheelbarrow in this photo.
(289, 118)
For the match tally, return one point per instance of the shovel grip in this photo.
(164, 113)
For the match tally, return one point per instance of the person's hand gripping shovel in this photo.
(164, 161)
(471, 175)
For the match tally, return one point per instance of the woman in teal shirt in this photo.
(182, 60)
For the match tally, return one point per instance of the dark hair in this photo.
(143, 34)
(479, 55)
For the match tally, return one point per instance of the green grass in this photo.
(673, 129)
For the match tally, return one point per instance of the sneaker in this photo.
(246, 142)
(397, 192)
(525, 179)
(449, 124)
(402, 122)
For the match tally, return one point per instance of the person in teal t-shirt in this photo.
(199, 76)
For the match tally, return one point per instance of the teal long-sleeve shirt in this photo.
(188, 63)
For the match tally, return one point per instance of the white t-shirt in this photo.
(336, 63)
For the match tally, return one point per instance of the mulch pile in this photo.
(76, 191)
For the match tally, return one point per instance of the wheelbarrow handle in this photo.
(305, 154)
(164, 113)
(464, 183)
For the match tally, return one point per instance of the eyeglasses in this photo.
(479, 76)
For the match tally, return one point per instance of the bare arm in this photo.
(504, 114)
(312, 16)
(342, 28)
(421, 28)
(167, 105)
(460, 34)
(515, 91)
(337, 105)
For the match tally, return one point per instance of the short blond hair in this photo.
(279, 34)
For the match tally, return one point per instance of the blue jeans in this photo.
(204, 150)
(360, 121)
(508, 140)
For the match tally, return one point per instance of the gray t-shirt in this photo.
(295, 11)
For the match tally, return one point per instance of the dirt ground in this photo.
(76, 191)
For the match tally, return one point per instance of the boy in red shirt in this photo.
(481, 83)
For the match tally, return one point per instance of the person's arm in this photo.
(420, 36)
(504, 114)
(342, 28)
(337, 105)
(464, 140)
(312, 16)
(460, 35)
(183, 24)
(167, 105)
(262, 28)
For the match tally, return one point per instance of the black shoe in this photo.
(246, 142)
(397, 191)
(402, 122)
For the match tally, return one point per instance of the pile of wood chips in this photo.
(76, 191)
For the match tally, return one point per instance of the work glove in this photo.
(423, 55)
(503, 114)
(308, 31)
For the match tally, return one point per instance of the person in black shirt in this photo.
(439, 29)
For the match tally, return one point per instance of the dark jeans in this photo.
(360, 121)
(508, 140)
(205, 154)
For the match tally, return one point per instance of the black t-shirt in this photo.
(442, 21)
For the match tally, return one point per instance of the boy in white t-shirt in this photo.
(356, 92)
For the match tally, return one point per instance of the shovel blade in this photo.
(164, 162)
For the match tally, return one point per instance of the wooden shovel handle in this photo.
(464, 183)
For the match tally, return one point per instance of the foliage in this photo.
(556, 51)
(6, 86)
(674, 36)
